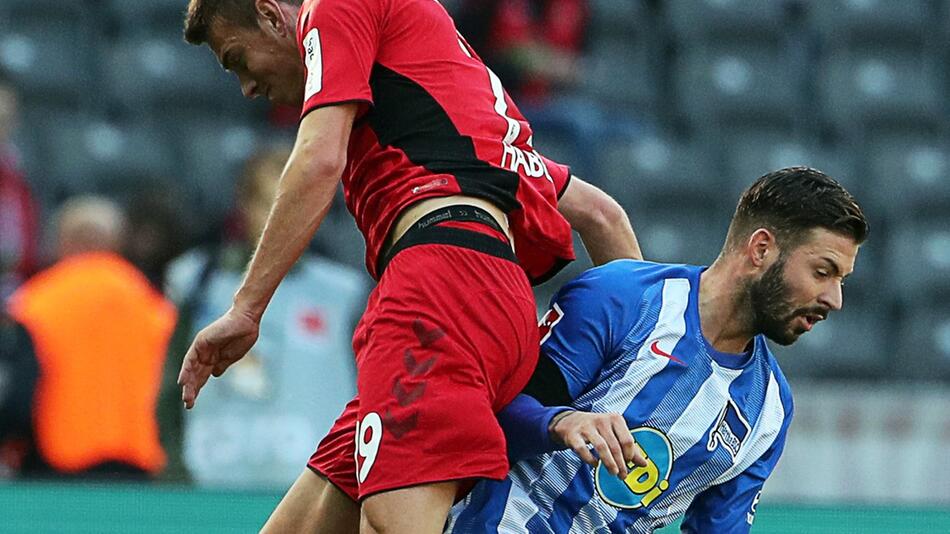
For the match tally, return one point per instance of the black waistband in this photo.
(426, 232)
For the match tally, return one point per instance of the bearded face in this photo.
(776, 314)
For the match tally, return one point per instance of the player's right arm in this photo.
(601, 222)
(306, 190)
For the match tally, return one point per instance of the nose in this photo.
(832, 297)
(249, 89)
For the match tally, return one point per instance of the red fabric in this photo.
(434, 368)
(434, 124)
(18, 220)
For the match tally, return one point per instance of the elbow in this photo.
(603, 215)
(320, 164)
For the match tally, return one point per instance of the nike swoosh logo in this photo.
(655, 348)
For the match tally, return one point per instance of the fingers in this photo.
(609, 453)
(578, 444)
(631, 452)
(194, 373)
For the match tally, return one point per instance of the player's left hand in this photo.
(606, 432)
(214, 349)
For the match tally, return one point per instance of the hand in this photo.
(214, 349)
(606, 432)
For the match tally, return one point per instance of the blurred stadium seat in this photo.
(924, 342)
(871, 20)
(46, 48)
(92, 154)
(152, 75)
(675, 230)
(752, 154)
(880, 87)
(639, 169)
(852, 343)
(616, 17)
(618, 73)
(213, 153)
(698, 20)
(919, 257)
(749, 83)
(908, 170)
(149, 17)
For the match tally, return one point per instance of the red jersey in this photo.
(436, 122)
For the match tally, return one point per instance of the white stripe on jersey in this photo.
(670, 328)
(708, 401)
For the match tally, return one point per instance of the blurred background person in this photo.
(100, 332)
(286, 393)
(18, 217)
(535, 46)
(18, 374)
(157, 230)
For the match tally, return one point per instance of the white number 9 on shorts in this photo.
(367, 447)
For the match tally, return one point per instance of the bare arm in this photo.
(306, 190)
(304, 196)
(601, 222)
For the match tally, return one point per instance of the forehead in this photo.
(223, 34)
(823, 244)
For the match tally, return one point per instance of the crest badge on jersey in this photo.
(313, 59)
(730, 430)
(548, 322)
(644, 484)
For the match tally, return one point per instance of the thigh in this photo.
(416, 510)
(313, 504)
(453, 339)
(333, 458)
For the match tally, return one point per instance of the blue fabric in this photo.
(525, 422)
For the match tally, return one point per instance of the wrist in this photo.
(552, 426)
(244, 305)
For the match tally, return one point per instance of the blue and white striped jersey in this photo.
(626, 337)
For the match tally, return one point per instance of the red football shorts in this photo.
(449, 337)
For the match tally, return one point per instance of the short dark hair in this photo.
(790, 202)
(201, 13)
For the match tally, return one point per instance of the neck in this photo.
(724, 308)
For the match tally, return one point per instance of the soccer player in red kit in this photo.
(460, 215)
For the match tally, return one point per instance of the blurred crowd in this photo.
(101, 300)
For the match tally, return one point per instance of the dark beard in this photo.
(772, 310)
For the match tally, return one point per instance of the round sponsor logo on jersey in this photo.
(644, 484)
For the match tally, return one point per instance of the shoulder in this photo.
(630, 277)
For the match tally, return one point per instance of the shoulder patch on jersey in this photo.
(644, 484)
(313, 59)
(549, 321)
(730, 430)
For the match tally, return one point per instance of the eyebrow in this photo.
(834, 266)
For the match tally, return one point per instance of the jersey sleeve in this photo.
(729, 508)
(560, 175)
(586, 324)
(338, 40)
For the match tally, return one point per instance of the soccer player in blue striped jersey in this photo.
(674, 359)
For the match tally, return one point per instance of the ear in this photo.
(271, 16)
(762, 247)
